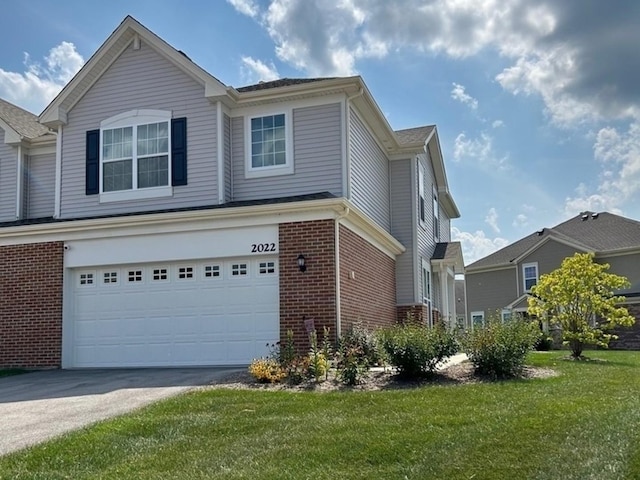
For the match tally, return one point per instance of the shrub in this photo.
(318, 362)
(362, 342)
(353, 367)
(499, 349)
(267, 370)
(417, 350)
(543, 343)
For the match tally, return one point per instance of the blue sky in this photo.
(537, 103)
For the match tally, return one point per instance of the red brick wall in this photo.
(310, 294)
(370, 296)
(628, 337)
(31, 305)
(417, 313)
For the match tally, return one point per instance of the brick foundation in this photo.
(309, 295)
(413, 313)
(31, 305)
(628, 337)
(367, 283)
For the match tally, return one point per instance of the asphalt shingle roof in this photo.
(447, 251)
(600, 232)
(414, 135)
(22, 121)
(282, 82)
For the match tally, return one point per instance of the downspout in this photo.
(337, 255)
(20, 183)
(58, 186)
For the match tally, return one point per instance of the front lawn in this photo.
(584, 423)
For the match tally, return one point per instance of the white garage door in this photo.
(175, 314)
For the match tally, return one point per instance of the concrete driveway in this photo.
(40, 405)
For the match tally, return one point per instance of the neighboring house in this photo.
(153, 216)
(500, 282)
(461, 304)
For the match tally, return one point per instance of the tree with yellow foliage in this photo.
(579, 297)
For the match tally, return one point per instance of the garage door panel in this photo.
(214, 320)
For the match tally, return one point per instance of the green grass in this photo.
(582, 424)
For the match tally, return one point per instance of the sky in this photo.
(537, 103)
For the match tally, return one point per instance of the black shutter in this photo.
(92, 180)
(179, 151)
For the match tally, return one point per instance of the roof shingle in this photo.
(22, 121)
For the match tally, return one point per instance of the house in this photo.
(153, 216)
(500, 282)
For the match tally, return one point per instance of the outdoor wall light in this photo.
(302, 263)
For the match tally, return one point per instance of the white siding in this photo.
(402, 227)
(41, 180)
(7, 181)
(141, 79)
(426, 240)
(317, 155)
(369, 173)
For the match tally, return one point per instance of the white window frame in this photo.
(422, 199)
(110, 276)
(506, 315)
(436, 214)
(524, 277)
(135, 118)
(476, 314)
(246, 269)
(90, 279)
(269, 171)
(142, 275)
(213, 268)
(273, 268)
(426, 299)
(166, 274)
(193, 272)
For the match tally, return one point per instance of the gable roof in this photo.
(449, 253)
(21, 122)
(282, 82)
(599, 233)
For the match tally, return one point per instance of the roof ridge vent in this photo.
(540, 232)
(585, 216)
(595, 215)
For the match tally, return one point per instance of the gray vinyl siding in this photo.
(7, 180)
(445, 227)
(369, 173)
(489, 292)
(317, 157)
(426, 241)
(40, 172)
(228, 169)
(402, 228)
(549, 257)
(626, 265)
(141, 79)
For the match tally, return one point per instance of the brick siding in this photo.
(31, 305)
(628, 337)
(412, 313)
(309, 295)
(367, 283)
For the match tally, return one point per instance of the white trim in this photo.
(220, 147)
(135, 117)
(476, 314)
(345, 148)
(58, 180)
(269, 171)
(257, 110)
(524, 278)
(19, 183)
(136, 194)
(421, 194)
(504, 312)
(414, 229)
(552, 236)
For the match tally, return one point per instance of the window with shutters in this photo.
(269, 145)
(134, 155)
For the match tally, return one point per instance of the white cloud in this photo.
(256, 70)
(479, 151)
(34, 88)
(492, 219)
(458, 93)
(476, 245)
(618, 154)
(246, 7)
(520, 221)
(497, 124)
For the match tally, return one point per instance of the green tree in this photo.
(578, 296)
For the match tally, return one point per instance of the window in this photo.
(160, 274)
(477, 319)
(506, 315)
(529, 275)
(239, 269)
(134, 276)
(110, 278)
(185, 273)
(269, 145)
(426, 289)
(266, 268)
(211, 271)
(436, 215)
(422, 207)
(86, 279)
(136, 154)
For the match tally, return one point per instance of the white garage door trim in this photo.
(200, 312)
